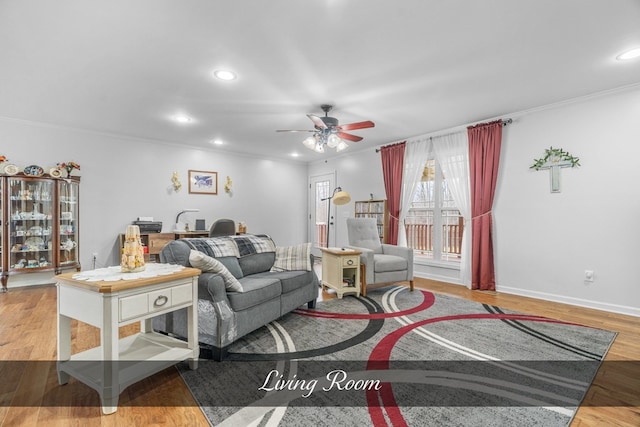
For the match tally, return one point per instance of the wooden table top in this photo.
(103, 286)
(341, 251)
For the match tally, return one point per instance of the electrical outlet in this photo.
(588, 275)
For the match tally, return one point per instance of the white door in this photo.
(321, 224)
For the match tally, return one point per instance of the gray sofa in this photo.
(224, 315)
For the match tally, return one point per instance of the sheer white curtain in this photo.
(416, 154)
(452, 153)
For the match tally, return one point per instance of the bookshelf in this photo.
(375, 209)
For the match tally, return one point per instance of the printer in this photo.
(148, 225)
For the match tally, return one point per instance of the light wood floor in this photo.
(28, 333)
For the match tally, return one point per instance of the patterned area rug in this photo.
(402, 358)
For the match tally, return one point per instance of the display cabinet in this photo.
(39, 231)
(68, 220)
(375, 209)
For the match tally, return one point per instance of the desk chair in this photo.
(223, 227)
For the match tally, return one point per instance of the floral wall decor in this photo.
(228, 186)
(177, 185)
(554, 159)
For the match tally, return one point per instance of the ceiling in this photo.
(413, 66)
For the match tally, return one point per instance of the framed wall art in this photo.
(203, 182)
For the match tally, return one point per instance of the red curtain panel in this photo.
(392, 165)
(484, 157)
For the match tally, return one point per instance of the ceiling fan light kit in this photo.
(328, 132)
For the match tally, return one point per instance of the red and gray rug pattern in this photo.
(402, 358)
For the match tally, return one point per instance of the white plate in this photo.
(11, 169)
(55, 172)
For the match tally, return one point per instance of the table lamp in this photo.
(178, 226)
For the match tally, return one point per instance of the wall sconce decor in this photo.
(228, 186)
(176, 181)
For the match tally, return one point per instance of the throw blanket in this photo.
(254, 244)
(237, 246)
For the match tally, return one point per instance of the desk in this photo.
(156, 241)
(118, 363)
(190, 234)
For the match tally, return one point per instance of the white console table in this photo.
(118, 363)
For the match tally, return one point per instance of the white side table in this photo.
(341, 270)
(118, 363)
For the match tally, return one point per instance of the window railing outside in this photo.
(321, 234)
(420, 235)
(419, 227)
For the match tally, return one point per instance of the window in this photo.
(434, 224)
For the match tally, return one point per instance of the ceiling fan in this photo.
(329, 132)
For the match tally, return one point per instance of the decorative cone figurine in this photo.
(132, 253)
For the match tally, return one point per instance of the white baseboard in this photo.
(438, 277)
(613, 308)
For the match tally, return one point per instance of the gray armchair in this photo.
(382, 263)
(222, 227)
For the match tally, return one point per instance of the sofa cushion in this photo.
(208, 264)
(290, 258)
(256, 263)
(290, 280)
(257, 290)
(389, 263)
(232, 265)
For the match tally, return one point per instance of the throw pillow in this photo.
(209, 264)
(293, 258)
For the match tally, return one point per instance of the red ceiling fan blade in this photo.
(293, 130)
(349, 137)
(358, 125)
(317, 121)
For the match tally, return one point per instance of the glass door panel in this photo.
(68, 217)
(319, 188)
(30, 217)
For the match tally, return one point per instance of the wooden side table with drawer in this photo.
(118, 363)
(341, 270)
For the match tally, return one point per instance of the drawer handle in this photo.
(350, 262)
(160, 301)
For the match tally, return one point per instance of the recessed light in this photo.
(217, 142)
(295, 155)
(630, 54)
(181, 118)
(225, 75)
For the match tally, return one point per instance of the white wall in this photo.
(544, 242)
(124, 178)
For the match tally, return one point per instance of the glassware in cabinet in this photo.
(30, 223)
(68, 192)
